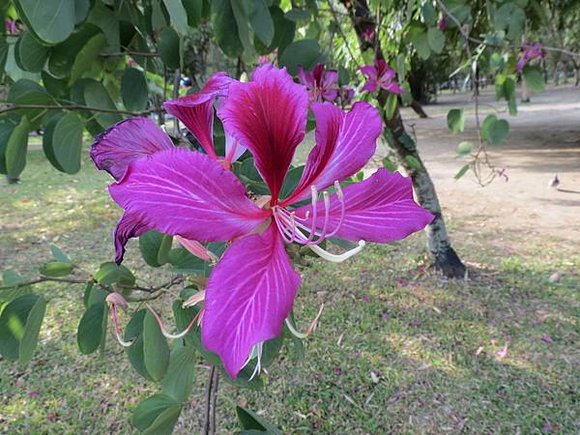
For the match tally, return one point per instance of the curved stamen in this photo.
(117, 327)
(311, 328)
(164, 331)
(314, 193)
(257, 351)
(340, 197)
(334, 258)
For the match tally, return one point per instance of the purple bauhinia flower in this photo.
(251, 290)
(529, 52)
(378, 76)
(321, 83)
(346, 94)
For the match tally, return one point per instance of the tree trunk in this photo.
(444, 256)
(416, 106)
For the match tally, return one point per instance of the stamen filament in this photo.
(164, 331)
(334, 258)
(311, 327)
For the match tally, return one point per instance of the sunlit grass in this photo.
(399, 349)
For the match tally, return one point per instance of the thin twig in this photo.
(211, 390)
(341, 32)
(131, 53)
(12, 107)
(176, 82)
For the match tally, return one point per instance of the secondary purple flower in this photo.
(530, 52)
(251, 290)
(441, 24)
(346, 94)
(320, 83)
(378, 76)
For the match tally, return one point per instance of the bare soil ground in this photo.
(544, 140)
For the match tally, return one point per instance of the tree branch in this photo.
(211, 390)
(12, 107)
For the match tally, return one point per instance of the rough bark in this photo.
(445, 258)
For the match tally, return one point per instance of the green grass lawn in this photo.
(399, 349)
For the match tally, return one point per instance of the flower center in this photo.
(313, 228)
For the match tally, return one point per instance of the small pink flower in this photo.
(11, 27)
(546, 339)
(321, 84)
(368, 34)
(503, 353)
(442, 24)
(380, 75)
(530, 51)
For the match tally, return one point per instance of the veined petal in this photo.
(305, 77)
(370, 71)
(267, 116)
(114, 149)
(248, 296)
(196, 110)
(392, 87)
(179, 192)
(329, 79)
(379, 209)
(344, 144)
(130, 225)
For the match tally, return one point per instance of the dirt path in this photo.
(544, 139)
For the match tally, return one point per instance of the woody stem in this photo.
(211, 393)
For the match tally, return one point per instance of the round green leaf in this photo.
(47, 142)
(464, 148)
(305, 53)
(436, 39)
(67, 142)
(134, 333)
(155, 348)
(87, 56)
(13, 325)
(134, 90)
(499, 132)
(30, 338)
(261, 22)
(225, 28)
(156, 412)
(56, 269)
(51, 20)
(178, 382)
(90, 332)
(169, 48)
(95, 95)
(17, 148)
(62, 57)
(111, 273)
(456, 120)
(6, 130)
(31, 55)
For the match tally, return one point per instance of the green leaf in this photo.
(498, 132)
(261, 22)
(291, 181)
(51, 20)
(249, 420)
(178, 16)
(31, 331)
(13, 325)
(487, 125)
(11, 278)
(111, 273)
(429, 13)
(90, 332)
(456, 120)
(169, 48)
(47, 141)
(31, 54)
(178, 382)
(62, 56)
(17, 148)
(298, 15)
(155, 348)
(391, 105)
(194, 10)
(6, 130)
(418, 37)
(225, 28)
(134, 90)
(284, 30)
(149, 244)
(461, 172)
(164, 248)
(533, 78)
(305, 53)
(95, 95)
(389, 164)
(134, 333)
(413, 163)
(152, 413)
(184, 261)
(66, 143)
(87, 56)
(436, 39)
(56, 269)
(58, 254)
(464, 148)
(107, 20)
(242, 21)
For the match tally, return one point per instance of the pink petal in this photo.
(381, 66)
(267, 116)
(196, 110)
(114, 149)
(305, 77)
(329, 79)
(392, 87)
(330, 94)
(130, 225)
(371, 86)
(370, 71)
(379, 209)
(179, 192)
(344, 144)
(196, 248)
(249, 294)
